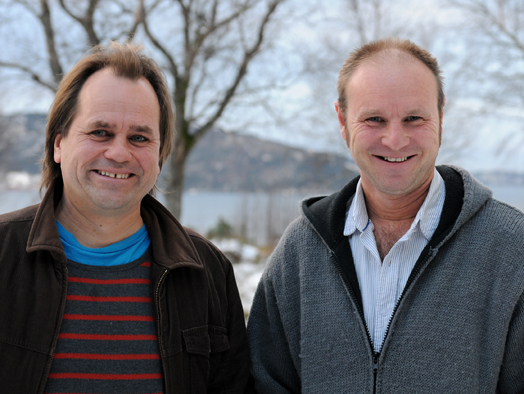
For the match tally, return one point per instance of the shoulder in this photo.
(19, 221)
(499, 216)
(209, 254)
(20, 215)
(500, 213)
(15, 228)
(495, 232)
(299, 245)
(297, 235)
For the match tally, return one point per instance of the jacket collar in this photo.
(326, 215)
(171, 245)
(464, 197)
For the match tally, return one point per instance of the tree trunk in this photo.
(176, 178)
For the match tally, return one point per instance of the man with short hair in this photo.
(101, 289)
(408, 280)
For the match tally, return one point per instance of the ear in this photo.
(341, 121)
(441, 123)
(58, 148)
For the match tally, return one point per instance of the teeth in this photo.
(112, 175)
(395, 159)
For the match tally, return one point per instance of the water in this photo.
(513, 195)
(260, 218)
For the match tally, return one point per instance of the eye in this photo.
(99, 133)
(375, 119)
(138, 138)
(413, 118)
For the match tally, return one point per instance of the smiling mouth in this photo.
(395, 159)
(113, 175)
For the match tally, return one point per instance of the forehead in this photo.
(105, 93)
(392, 76)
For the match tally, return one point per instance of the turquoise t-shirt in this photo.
(122, 252)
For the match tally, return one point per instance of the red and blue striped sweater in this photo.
(108, 338)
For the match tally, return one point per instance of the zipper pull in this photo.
(375, 371)
(375, 363)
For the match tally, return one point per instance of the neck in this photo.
(392, 208)
(96, 231)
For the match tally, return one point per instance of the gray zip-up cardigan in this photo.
(457, 328)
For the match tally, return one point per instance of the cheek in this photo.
(360, 140)
(431, 140)
(150, 162)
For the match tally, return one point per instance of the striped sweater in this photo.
(108, 338)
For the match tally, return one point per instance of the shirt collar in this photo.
(428, 216)
(357, 214)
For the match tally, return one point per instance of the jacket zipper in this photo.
(375, 371)
(159, 325)
(410, 280)
(376, 355)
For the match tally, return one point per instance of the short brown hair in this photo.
(359, 55)
(127, 61)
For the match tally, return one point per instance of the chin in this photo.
(108, 203)
(395, 189)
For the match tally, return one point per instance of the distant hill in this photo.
(220, 161)
(500, 178)
(239, 162)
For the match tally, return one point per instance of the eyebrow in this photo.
(368, 112)
(103, 124)
(142, 129)
(376, 112)
(137, 128)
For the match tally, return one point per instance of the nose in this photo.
(395, 136)
(118, 150)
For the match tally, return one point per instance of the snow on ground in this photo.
(247, 264)
(247, 275)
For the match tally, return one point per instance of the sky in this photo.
(319, 130)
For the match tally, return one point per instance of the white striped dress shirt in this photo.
(381, 283)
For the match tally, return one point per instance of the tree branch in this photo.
(86, 20)
(54, 60)
(241, 72)
(193, 47)
(88, 23)
(357, 13)
(172, 64)
(69, 12)
(34, 76)
(139, 17)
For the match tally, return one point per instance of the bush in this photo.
(221, 230)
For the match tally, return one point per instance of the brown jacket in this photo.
(201, 330)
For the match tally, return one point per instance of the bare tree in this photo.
(11, 130)
(205, 47)
(218, 40)
(494, 55)
(68, 30)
